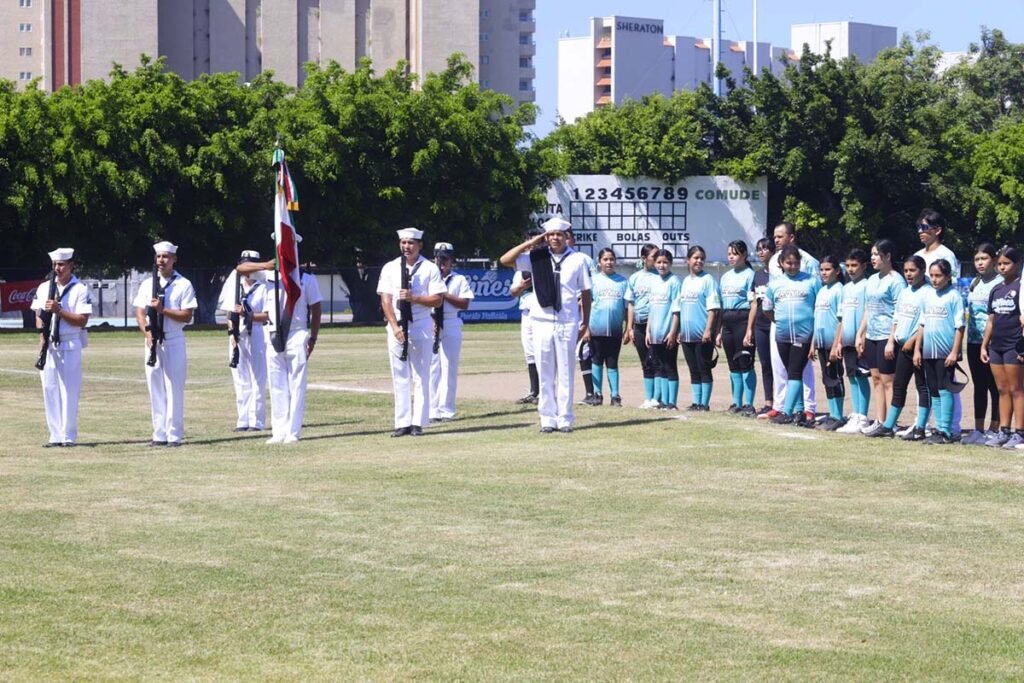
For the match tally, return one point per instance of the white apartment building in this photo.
(848, 39)
(66, 42)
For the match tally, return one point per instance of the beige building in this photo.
(70, 41)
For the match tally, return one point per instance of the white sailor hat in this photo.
(444, 249)
(557, 224)
(62, 254)
(248, 256)
(410, 234)
(165, 247)
(298, 237)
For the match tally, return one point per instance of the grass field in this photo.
(639, 547)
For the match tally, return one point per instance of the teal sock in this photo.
(923, 412)
(794, 393)
(835, 406)
(596, 375)
(944, 416)
(659, 389)
(696, 391)
(673, 392)
(649, 388)
(613, 381)
(705, 393)
(892, 416)
(864, 389)
(736, 383)
(749, 387)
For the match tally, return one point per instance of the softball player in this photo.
(607, 315)
(759, 325)
(698, 305)
(850, 316)
(880, 294)
(662, 331)
(827, 305)
(736, 286)
(938, 347)
(637, 308)
(1001, 342)
(985, 390)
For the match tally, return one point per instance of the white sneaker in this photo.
(275, 439)
(649, 404)
(906, 430)
(867, 427)
(853, 425)
(1015, 440)
(997, 440)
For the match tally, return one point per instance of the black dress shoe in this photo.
(174, 444)
(401, 431)
(69, 444)
(547, 430)
(241, 429)
(153, 444)
(53, 444)
(416, 430)
(565, 430)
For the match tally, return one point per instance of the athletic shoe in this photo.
(547, 430)
(853, 425)
(529, 398)
(705, 409)
(915, 434)
(810, 416)
(826, 424)
(868, 425)
(747, 411)
(938, 439)
(878, 430)
(765, 413)
(782, 419)
(835, 425)
(997, 440)
(668, 406)
(598, 400)
(565, 430)
(903, 432)
(693, 408)
(588, 400)
(649, 404)
(974, 438)
(1015, 440)
(615, 401)
(734, 409)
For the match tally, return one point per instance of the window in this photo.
(485, 59)
(524, 38)
(484, 37)
(25, 28)
(524, 84)
(484, 13)
(24, 3)
(525, 63)
(526, 16)
(24, 75)
(24, 52)
(485, 83)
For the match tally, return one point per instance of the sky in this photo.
(953, 25)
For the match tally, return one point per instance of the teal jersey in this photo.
(737, 289)
(852, 310)
(698, 295)
(977, 308)
(827, 305)
(942, 314)
(907, 314)
(663, 294)
(638, 290)
(608, 305)
(880, 296)
(792, 299)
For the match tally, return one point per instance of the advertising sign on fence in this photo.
(17, 296)
(624, 214)
(492, 302)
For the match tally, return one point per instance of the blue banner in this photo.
(493, 300)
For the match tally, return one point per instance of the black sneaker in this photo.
(547, 430)
(763, 412)
(748, 411)
(615, 401)
(937, 439)
(694, 408)
(835, 424)
(825, 424)
(588, 400)
(915, 434)
(734, 409)
(530, 398)
(704, 409)
(879, 430)
(782, 419)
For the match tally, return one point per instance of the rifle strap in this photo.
(163, 291)
(406, 306)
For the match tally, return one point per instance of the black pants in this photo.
(985, 390)
(837, 389)
(763, 341)
(605, 351)
(734, 328)
(646, 358)
(665, 361)
(698, 359)
(795, 358)
(901, 380)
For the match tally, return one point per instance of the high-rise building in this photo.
(847, 38)
(71, 41)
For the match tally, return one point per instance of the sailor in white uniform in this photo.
(250, 374)
(444, 365)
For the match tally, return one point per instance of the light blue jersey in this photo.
(638, 290)
(880, 294)
(977, 308)
(608, 309)
(663, 294)
(698, 295)
(852, 311)
(942, 314)
(792, 299)
(737, 289)
(907, 314)
(827, 305)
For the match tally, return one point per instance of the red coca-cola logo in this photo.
(21, 296)
(17, 296)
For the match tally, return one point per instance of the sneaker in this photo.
(704, 408)
(694, 407)
(649, 404)
(615, 401)
(587, 400)
(782, 419)
(977, 437)
(734, 409)
(530, 398)
(937, 439)
(763, 413)
(835, 425)
(598, 400)
(826, 424)
(997, 440)
(770, 415)
(903, 432)
(853, 425)
(915, 434)
(810, 416)
(868, 425)
(878, 430)
(1016, 439)
(985, 436)
(748, 411)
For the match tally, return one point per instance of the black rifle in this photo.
(155, 321)
(405, 309)
(234, 319)
(438, 315)
(46, 317)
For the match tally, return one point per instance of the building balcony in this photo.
(604, 43)
(604, 81)
(604, 63)
(526, 96)
(528, 50)
(527, 4)
(528, 26)
(603, 100)
(527, 72)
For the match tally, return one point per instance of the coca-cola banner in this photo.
(17, 296)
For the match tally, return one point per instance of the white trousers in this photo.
(526, 338)
(444, 371)
(62, 385)
(410, 378)
(554, 345)
(166, 381)
(780, 377)
(250, 378)
(286, 374)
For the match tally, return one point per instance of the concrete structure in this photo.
(848, 39)
(627, 58)
(71, 41)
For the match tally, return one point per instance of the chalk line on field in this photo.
(340, 388)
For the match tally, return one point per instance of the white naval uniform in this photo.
(555, 334)
(250, 377)
(62, 374)
(166, 379)
(411, 378)
(525, 326)
(779, 373)
(287, 371)
(444, 365)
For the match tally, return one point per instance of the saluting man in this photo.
(410, 355)
(250, 375)
(288, 371)
(61, 376)
(166, 378)
(559, 315)
(444, 366)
